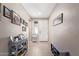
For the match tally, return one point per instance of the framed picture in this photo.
(58, 20)
(15, 18)
(23, 28)
(25, 23)
(21, 20)
(6, 12)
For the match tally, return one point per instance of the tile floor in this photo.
(39, 49)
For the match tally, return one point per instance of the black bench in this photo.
(55, 52)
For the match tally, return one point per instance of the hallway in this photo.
(39, 29)
(39, 49)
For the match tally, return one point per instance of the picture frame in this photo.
(15, 18)
(25, 23)
(6, 12)
(23, 28)
(21, 20)
(58, 20)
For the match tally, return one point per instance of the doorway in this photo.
(39, 30)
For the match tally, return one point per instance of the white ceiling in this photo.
(39, 10)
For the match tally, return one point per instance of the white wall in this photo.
(0, 11)
(65, 37)
(7, 28)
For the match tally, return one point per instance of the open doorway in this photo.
(39, 30)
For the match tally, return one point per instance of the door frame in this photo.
(31, 27)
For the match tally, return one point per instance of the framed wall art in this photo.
(23, 28)
(15, 18)
(25, 23)
(6, 12)
(21, 20)
(58, 20)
